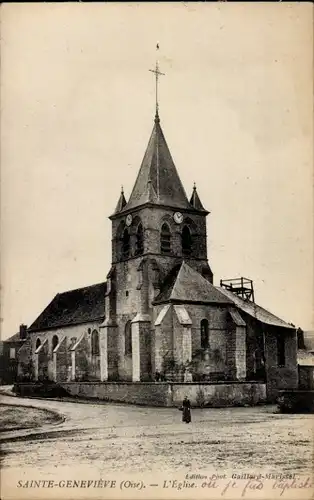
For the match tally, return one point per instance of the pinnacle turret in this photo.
(121, 202)
(195, 200)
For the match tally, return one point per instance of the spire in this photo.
(195, 200)
(121, 202)
(158, 181)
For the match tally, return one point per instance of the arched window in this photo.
(139, 240)
(128, 339)
(125, 244)
(204, 334)
(165, 239)
(95, 343)
(38, 343)
(186, 241)
(55, 342)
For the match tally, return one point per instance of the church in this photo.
(158, 317)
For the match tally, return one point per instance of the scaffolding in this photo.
(243, 287)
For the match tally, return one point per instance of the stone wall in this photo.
(217, 321)
(171, 394)
(219, 394)
(68, 335)
(81, 356)
(150, 393)
(281, 377)
(215, 361)
(61, 360)
(306, 377)
(152, 221)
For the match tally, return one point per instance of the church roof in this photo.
(73, 307)
(254, 310)
(184, 284)
(158, 181)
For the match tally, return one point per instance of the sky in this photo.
(236, 108)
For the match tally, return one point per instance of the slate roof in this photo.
(158, 181)
(73, 307)
(184, 284)
(254, 310)
(14, 338)
(195, 200)
(121, 203)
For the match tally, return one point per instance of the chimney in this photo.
(23, 332)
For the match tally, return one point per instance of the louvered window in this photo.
(125, 244)
(165, 239)
(186, 241)
(139, 240)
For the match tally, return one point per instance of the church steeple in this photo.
(121, 202)
(195, 200)
(158, 181)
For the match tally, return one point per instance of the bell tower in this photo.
(152, 233)
(158, 220)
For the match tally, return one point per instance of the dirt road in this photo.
(111, 438)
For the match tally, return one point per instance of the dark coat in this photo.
(186, 413)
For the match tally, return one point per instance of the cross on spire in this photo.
(157, 74)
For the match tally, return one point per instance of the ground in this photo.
(14, 417)
(105, 439)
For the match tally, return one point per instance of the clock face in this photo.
(178, 217)
(128, 220)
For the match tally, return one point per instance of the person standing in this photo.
(186, 410)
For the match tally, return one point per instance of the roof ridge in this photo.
(81, 288)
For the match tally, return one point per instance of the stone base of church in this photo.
(209, 394)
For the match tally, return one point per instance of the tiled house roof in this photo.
(73, 307)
